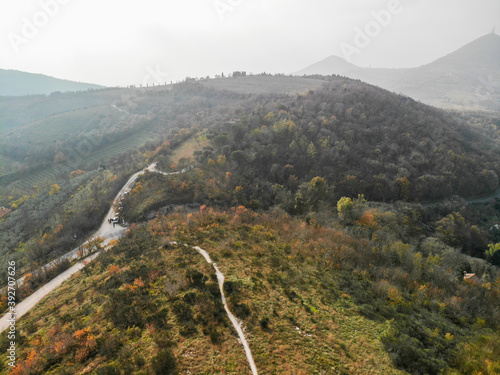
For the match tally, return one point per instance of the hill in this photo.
(466, 78)
(347, 139)
(17, 83)
(312, 299)
(35, 129)
(322, 280)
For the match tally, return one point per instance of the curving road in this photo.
(105, 231)
(108, 232)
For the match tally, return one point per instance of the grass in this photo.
(186, 150)
(265, 84)
(295, 318)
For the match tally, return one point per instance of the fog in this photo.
(125, 42)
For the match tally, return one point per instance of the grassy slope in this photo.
(186, 150)
(296, 319)
(265, 84)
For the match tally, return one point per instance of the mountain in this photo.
(481, 53)
(331, 64)
(466, 78)
(17, 83)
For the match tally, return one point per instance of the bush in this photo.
(165, 363)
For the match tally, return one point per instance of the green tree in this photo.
(165, 363)
(311, 151)
(493, 253)
(317, 188)
(350, 210)
(221, 140)
(404, 188)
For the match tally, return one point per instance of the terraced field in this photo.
(99, 156)
(61, 126)
(7, 165)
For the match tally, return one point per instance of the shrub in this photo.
(165, 363)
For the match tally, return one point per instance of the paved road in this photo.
(30, 302)
(108, 232)
(105, 231)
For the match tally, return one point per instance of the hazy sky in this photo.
(123, 42)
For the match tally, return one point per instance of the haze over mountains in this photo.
(17, 83)
(468, 77)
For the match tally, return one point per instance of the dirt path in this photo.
(108, 232)
(232, 318)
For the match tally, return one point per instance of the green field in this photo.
(185, 151)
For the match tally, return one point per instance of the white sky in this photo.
(124, 42)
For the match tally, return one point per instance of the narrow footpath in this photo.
(109, 232)
(234, 321)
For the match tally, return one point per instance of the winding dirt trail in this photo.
(109, 232)
(232, 318)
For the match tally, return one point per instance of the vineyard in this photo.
(98, 156)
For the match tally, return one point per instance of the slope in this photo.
(312, 299)
(17, 83)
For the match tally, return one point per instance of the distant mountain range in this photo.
(466, 78)
(17, 83)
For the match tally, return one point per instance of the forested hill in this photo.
(362, 140)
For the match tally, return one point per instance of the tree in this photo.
(350, 210)
(404, 188)
(55, 189)
(316, 191)
(493, 253)
(238, 156)
(311, 151)
(221, 140)
(344, 208)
